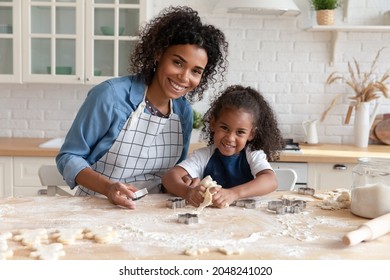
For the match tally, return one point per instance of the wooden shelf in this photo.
(336, 29)
(350, 28)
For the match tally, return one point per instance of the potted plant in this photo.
(367, 87)
(325, 10)
(196, 125)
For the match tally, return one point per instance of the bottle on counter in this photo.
(370, 194)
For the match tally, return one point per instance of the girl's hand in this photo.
(222, 198)
(121, 194)
(194, 194)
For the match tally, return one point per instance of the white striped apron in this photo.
(145, 149)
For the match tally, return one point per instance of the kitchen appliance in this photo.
(290, 145)
(262, 7)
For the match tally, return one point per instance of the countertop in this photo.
(327, 153)
(25, 147)
(152, 231)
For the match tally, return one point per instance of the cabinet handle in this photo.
(339, 167)
(88, 79)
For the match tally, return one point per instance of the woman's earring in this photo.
(155, 66)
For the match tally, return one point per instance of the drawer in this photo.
(26, 170)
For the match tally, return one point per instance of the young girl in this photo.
(242, 135)
(131, 129)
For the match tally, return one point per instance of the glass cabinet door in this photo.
(67, 41)
(10, 37)
(53, 51)
(112, 26)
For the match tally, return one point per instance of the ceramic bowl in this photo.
(109, 30)
(61, 70)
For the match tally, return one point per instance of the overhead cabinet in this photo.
(76, 41)
(10, 41)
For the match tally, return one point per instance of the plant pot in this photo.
(325, 17)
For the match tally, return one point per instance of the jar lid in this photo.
(373, 160)
(379, 165)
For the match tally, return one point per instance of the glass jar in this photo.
(370, 194)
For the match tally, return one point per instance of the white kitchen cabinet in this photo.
(10, 41)
(323, 176)
(6, 176)
(64, 40)
(25, 175)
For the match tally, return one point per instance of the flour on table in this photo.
(67, 236)
(5, 252)
(48, 251)
(208, 183)
(31, 237)
(100, 235)
(298, 226)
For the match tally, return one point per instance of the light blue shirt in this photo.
(101, 118)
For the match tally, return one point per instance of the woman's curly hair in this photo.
(267, 134)
(176, 26)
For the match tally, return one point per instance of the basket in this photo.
(325, 17)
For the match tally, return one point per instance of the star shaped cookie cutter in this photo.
(188, 218)
(306, 191)
(176, 202)
(286, 206)
(248, 203)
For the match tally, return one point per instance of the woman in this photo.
(131, 129)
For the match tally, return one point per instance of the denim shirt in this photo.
(101, 118)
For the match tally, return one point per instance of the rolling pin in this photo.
(369, 230)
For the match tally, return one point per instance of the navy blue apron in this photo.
(228, 171)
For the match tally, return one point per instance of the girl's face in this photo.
(232, 130)
(179, 70)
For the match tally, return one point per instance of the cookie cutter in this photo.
(286, 206)
(306, 191)
(140, 193)
(176, 202)
(248, 203)
(188, 218)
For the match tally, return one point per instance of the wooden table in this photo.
(153, 232)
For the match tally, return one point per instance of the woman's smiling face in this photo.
(179, 70)
(232, 130)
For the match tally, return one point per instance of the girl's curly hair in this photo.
(267, 134)
(176, 26)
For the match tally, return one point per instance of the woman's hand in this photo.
(122, 194)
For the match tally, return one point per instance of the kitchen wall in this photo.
(275, 55)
